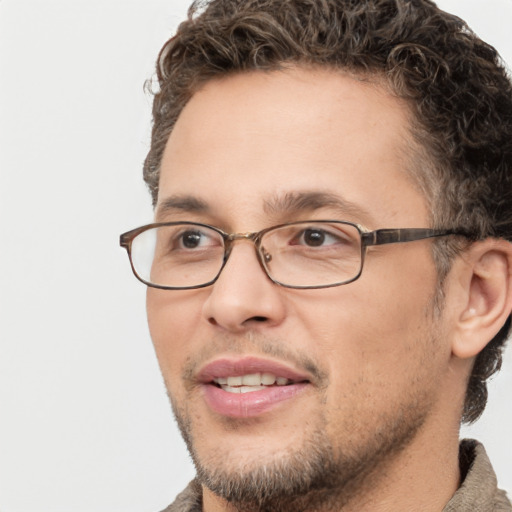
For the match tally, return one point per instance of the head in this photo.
(454, 83)
(438, 105)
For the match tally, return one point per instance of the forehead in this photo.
(245, 139)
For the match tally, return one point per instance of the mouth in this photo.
(251, 382)
(249, 387)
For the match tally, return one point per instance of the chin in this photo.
(273, 465)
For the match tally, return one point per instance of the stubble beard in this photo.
(314, 476)
(310, 477)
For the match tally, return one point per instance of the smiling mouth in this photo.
(252, 382)
(249, 386)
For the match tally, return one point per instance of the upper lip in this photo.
(234, 367)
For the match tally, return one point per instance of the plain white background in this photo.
(84, 420)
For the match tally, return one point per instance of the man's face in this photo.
(363, 361)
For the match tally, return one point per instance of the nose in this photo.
(243, 297)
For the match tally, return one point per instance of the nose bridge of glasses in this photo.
(243, 236)
(249, 236)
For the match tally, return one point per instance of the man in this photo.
(329, 270)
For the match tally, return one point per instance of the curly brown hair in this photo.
(456, 85)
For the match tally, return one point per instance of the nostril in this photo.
(259, 318)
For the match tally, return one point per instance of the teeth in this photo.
(230, 389)
(250, 382)
(242, 389)
(234, 381)
(253, 379)
(267, 379)
(249, 389)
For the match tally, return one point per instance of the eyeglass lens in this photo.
(299, 254)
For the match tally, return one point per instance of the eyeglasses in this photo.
(303, 254)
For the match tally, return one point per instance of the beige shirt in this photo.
(478, 492)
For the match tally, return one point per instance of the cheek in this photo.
(378, 328)
(383, 352)
(173, 316)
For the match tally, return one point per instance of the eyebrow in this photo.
(181, 203)
(288, 204)
(298, 202)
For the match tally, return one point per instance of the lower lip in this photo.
(248, 405)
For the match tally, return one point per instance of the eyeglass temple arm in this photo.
(393, 236)
(124, 241)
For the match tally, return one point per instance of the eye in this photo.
(314, 237)
(193, 239)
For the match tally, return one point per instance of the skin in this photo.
(388, 368)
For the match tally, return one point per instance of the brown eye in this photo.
(191, 239)
(313, 237)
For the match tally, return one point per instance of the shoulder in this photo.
(479, 487)
(189, 500)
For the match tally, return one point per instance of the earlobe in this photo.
(486, 277)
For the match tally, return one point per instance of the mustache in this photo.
(255, 344)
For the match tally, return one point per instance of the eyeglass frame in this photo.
(368, 239)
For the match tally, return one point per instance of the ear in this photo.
(484, 287)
